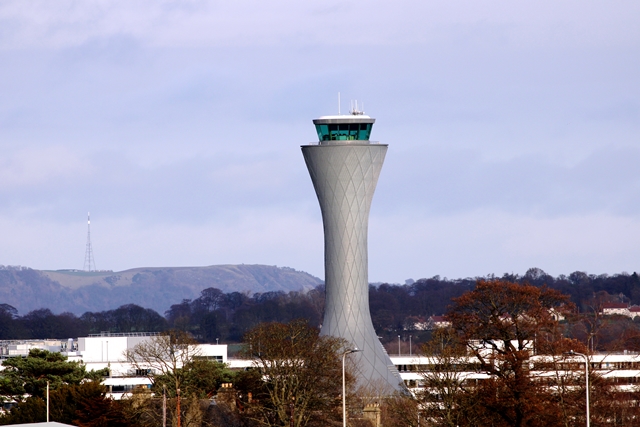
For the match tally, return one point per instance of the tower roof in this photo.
(344, 118)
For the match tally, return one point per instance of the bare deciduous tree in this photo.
(301, 372)
(446, 396)
(165, 356)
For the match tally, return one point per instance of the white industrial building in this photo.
(623, 368)
(108, 350)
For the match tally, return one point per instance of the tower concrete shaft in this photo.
(344, 173)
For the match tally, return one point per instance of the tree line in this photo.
(395, 309)
(508, 333)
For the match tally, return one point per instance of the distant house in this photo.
(556, 315)
(412, 323)
(488, 347)
(634, 311)
(619, 308)
(436, 322)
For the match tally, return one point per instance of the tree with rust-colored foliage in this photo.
(503, 362)
(502, 323)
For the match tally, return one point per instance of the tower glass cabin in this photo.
(354, 127)
(344, 168)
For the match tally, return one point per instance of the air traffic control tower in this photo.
(344, 167)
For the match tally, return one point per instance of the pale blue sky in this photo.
(513, 132)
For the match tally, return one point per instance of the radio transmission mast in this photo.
(89, 262)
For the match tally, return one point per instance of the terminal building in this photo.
(107, 350)
(622, 368)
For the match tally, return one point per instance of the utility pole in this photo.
(164, 406)
(410, 351)
(178, 406)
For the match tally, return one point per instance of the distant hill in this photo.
(156, 288)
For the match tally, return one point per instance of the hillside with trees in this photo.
(395, 310)
(77, 291)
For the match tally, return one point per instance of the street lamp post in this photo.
(398, 345)
(586, 376)
(410, 351)
(344, 387)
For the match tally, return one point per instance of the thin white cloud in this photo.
(178, 125)
(37, 23)
(36, 166)
(264, 237)
(489, 241)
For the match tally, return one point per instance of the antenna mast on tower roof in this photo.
(89, 262)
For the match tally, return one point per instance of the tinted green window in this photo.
(344, 132)
(364, 131)
(323, 132)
